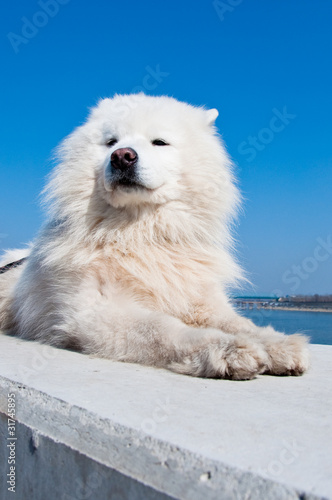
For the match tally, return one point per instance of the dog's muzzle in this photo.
(124, 167)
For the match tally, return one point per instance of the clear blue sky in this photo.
(261, 57)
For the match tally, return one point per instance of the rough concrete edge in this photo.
(97, 474)
(162, 466)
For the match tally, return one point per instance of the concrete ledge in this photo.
(92, 428)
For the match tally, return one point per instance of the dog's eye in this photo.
(111, 142)
(160, 142)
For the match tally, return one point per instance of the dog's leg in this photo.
(130, 333)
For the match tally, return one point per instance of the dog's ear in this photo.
(212, 115)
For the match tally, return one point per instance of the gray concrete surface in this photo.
(92, 428)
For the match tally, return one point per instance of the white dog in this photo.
(134, 261)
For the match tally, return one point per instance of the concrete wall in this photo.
(93, 429)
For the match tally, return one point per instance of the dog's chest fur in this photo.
(173, 280)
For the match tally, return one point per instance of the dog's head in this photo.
(138, 150)
(154, 148)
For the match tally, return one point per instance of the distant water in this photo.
(317, 325)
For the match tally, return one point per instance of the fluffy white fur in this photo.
(139, 274)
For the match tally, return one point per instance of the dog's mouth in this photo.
(129, 185)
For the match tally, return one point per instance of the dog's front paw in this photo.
(289, 355)
(230, 357)
(243, 359)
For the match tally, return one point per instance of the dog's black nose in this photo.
(124, 158)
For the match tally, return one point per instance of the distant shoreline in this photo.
(304, 309)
